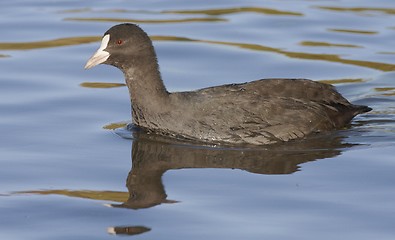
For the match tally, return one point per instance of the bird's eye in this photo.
(119, 41)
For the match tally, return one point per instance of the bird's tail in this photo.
(361, 109)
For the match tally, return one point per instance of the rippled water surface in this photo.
(66, 172)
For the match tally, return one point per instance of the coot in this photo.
(259, 112)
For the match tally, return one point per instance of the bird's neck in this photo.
(148, 94)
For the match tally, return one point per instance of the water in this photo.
(67, 174)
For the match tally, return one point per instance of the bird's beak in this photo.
(100, 55)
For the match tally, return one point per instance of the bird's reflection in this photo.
(153, 155)
(128, 230)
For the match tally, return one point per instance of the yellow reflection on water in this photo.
(222, 11)
(76, 10)
(359, 9)
(48, 44)
(386, 91)
(386, 53)
(326, 44)
(255, 47)
(96, 195)
(300, 55)
(121, 20)
(101, 85)
(352, 31)
(211, 12)
(113, 126)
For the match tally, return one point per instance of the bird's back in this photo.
(262, 111)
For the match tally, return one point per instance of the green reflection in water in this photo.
(359, 9)
(326, 44)
(113, 126)
(386, 91)
(223, 11)
(211, 12)
(96, 195)
(121, 20)
(3, 55)
(386, 52)
(255, 47)
(90, 10)
(76, 10)
(299, 55)
(48, 44)
(352, 31)
(101, 85)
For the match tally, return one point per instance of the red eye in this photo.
(119, 41)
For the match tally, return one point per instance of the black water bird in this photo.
(259, 112)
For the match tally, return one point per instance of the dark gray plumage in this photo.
(259, 112)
